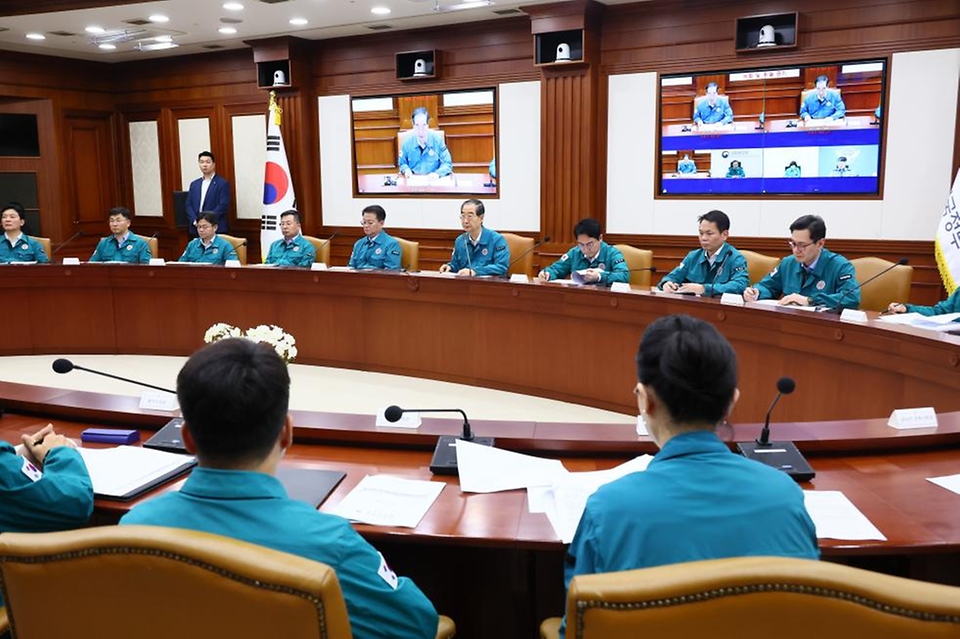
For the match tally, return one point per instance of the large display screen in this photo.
(443, 143)
(798, 130)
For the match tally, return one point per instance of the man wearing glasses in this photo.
(208, 248)
(597, 261)
(479, 250)
(376, 249)
(813, 275)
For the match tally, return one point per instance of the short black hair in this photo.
(717, 217)
(206, 154)
(234, 395)
(821, 77)
(15, 206)
(476, 203)
(294, 212)
(737, 162)
(119, 210)
(210, 217)
(419, 111)
(711, 84)
(812, 223)
(377, 210)
(587, 226)
(842, 158)
(691, 367)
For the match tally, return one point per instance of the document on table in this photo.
(950, 482)
(776, 303)
(123, 472)
(485, 469)
(945, 322)
(836, 517)
(383, 500)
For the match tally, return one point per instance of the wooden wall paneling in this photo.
(89, 161)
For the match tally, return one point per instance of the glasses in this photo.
(799, 246)
(468, 216)
(367, 222)
(587, 245)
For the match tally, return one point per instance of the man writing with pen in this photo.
(597, 261)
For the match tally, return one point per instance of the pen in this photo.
(37, 442)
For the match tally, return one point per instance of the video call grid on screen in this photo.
(748, 132)
(442, 143)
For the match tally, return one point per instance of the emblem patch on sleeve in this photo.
(387, 574)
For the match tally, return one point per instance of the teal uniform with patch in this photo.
(218, 252)
(24, 249)
(490, 256)
(832, 278)
(949, 305)
(132, 250)
(727, 274)
(608, 259)
(380, 252)
(296, 252)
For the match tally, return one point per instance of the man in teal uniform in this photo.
(949, 305)
(17, 246)
(234, 396)
(696, 500)
(813, 275)
(291, 249)
(479, 251)
(598, 262)
(122, 245)
(47, 489)
(713, 269)
(376, 249)
(208, 248)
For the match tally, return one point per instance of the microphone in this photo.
(533, 248)
(780, 455)
(652, 269)
(327, 241)
(146, 244)
(444, 460)
(65, 366)
(75, 236)
(466, 248)
(839, 307)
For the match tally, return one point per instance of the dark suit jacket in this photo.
(218, 201)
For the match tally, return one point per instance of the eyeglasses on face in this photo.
(799, 246)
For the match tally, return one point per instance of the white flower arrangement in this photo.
(276, 337)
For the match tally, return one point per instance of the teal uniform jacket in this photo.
(832, 278)
(382, 252)
(218, 252)
(491, 255)
(728, 274)
(133, 250)
(296, 252)
(25, 249)
(254, 507)
(696, 500)
(608, 259)
(949, 305)
(61, 499)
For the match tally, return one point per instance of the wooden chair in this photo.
(519, 245)
(323, 248)
(45, 243)
(409, 254)
(754, 598)
(239, 244)
(637, 258)
(4, 621)
(758, 264)
(152, 243)
(892, 287)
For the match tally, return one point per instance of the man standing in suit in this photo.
(208, 193)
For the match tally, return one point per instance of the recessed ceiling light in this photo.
(163, 38)
(95, 29)
(157, 17)
(227, 30)
(233, 6)
(108, 47)
(298, 22)
(380, 11)
(36, 36)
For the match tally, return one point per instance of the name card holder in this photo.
(732, 299)
(318, 266)
(71, 261)
(850, 315)
(158, 400)
(519, 278)
(157, 261)
(620, 287)
(903, 418)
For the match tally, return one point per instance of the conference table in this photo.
(485, 559)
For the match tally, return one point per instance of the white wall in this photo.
(920, 117)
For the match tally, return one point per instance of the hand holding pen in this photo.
(36, 446)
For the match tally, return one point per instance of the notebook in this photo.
(123, 473)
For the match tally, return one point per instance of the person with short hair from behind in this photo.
(291, 249)
(234, 395)
(208, 248)
(122, 245)
(424, 152)
(823, 103)
(17, 246)
(713, 269)
(600, 263)
(479, 250)
(812, 275)
(697, 499)
(376, 249)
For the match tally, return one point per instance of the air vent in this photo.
(273, 1)
(211, 46)
(231, 20)
(139, 22)
(507, 12)
(379, 27)
(65, 34)
(2, 29)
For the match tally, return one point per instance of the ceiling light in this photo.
(466, 4)
(233, 6)
(95, 29)
(36, 36)
(158, 18)
(163, 38)
(380, 11)
(298, 22)
(227, 30)
(108, 47)
(157, 46)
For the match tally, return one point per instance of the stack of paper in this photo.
(942, 323)
(382, 500)
(124, 472)
(836, 517)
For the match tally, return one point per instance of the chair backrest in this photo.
(403, 134)
(637, 258)
(45, 243)
(152, 243)
(892, 287)
(755, 597)
(519, 245)
(409, 254)
(758, 264)
(164, 582)
(239, 245)
(322, 246)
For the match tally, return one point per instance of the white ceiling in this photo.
(195, 23)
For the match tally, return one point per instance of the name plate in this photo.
(71, 261)
(158, 400)
(407, 420)
(913, 418)
(620, 287)
(232, 264)
(519, 278)
(732, 299)
(157, 261)
(318, 266)
(850, 315)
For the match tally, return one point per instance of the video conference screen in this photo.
(443, 143)
(797, 130)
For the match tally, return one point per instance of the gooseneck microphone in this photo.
(444, 460)
(327, 241)
(146, 245)
(780, 455)
(65, 366)
(652, 269)
(530, 250)
(72, 238)
(466, 248)
(839, 307)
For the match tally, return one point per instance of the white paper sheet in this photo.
(124, 469)
(383, 500)
(836, 517)
(484, 469)
(944, 322)
(950, 482)
(776, 303)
